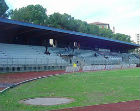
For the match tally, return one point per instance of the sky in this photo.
(124, 15)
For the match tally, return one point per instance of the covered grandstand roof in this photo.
(27, 29)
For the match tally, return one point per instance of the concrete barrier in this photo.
(107, 67)
(132, 65)
(93, 68)
(124, 66)
(72, 69)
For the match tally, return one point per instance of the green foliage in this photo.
(32, 13)
(105, 33)
(55, 20)
(86, 88)
(67, 22)
(121, 37)
(93, 29)
(3, 8)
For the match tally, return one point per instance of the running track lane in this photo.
(121, 106)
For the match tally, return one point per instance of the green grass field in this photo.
(88, 88)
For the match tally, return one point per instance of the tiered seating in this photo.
(137, 56)
(13, 54)
(133, 59)
(60, 51)
(111, 58)
(90, 57)
(14, 57)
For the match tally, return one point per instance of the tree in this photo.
(3, 8)
(32, 13)
(63, 21)
(121, 37)
(55, 20)
(105, 33)
(93, 29)
(81, 26)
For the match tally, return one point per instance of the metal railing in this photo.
(31, 61)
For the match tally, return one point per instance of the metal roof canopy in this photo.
(27, 29)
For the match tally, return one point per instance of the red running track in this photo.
(18, 77)
(122, 106)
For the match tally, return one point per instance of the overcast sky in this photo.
(124, 15)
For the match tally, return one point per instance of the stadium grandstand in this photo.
(26, 47)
